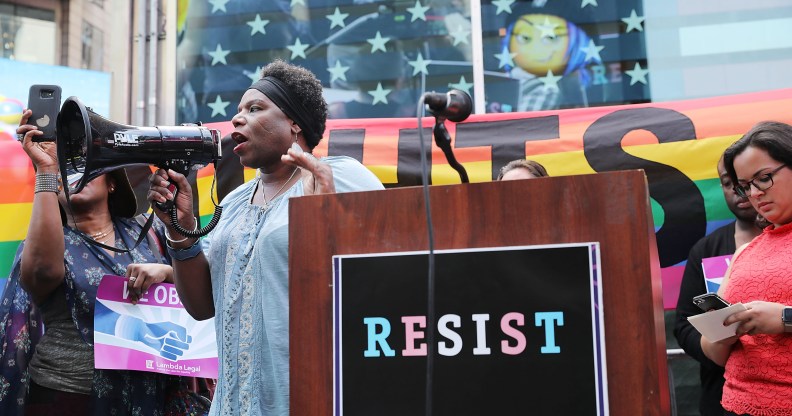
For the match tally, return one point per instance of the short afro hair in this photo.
(307, 89)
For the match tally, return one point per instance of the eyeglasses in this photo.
(761, 183)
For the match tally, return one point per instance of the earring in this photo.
(112, 189)
(295, 137)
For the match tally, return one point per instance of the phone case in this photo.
(45, 101)
(710, 301)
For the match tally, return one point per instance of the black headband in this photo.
(279, 93)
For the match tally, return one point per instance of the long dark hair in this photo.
(771, 136)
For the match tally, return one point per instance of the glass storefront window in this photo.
(376, 57)
(27, 34)
(541, 55)
(92, 47)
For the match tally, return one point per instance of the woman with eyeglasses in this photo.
(758, 359)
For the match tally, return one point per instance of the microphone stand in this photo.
(443, 141)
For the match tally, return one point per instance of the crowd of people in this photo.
(238, 274)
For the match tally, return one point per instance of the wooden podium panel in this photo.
(610, 208)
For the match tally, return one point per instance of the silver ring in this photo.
(20, 137)
(132, 278)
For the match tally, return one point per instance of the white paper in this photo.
(710, 324)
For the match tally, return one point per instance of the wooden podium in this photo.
(610, 208)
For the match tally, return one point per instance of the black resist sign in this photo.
(517, 331)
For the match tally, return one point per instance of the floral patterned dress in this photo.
(114, 392)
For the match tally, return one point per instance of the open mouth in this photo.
(238, 137)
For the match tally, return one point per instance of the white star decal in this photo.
(592, 51)
(380, 94)
(418, 11)
(633, 22)
(254, 76)
(378, 42)
(419, 65)
(585, 3)
(637, 74)
(460, 35)
(550, 81)
(503, 6)
(337, 18)
(298, 49)
(219, 55)
(505, 58)
(218, 5)
(296, 2)
(257, 25)
(338, 71)
(218, 107)
(462, 85)
(547, 29)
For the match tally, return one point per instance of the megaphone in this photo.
(93, 145)
(90, 145)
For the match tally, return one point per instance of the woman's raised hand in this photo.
(317, 176)
(44, 155)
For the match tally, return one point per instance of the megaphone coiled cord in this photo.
(199, 232)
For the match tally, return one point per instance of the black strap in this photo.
(154, 242)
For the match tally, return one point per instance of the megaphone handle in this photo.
(168, 204)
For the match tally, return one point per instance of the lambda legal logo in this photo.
(150, 364)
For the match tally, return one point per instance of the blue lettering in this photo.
(380, 338)
(548, 319)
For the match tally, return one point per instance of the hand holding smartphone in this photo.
(710, 301)
(45, 102)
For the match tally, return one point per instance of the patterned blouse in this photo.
(759, 368)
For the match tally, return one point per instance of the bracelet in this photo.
(181, 254)
(170, 240)
(47, 182)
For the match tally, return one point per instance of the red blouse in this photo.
(759, 369)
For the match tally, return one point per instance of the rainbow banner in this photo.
(677, 144)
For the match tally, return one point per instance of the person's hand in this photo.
(142, 276)
(159, 192)
(171, 340)
(317, 176)
(759, 318)
(44, 155)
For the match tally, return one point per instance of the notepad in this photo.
(710, 324)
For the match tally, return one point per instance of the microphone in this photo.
(455, 105)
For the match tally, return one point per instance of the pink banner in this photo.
(156, 335)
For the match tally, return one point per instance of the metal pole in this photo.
(478, 57)
(140, 37)
(153, 61)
